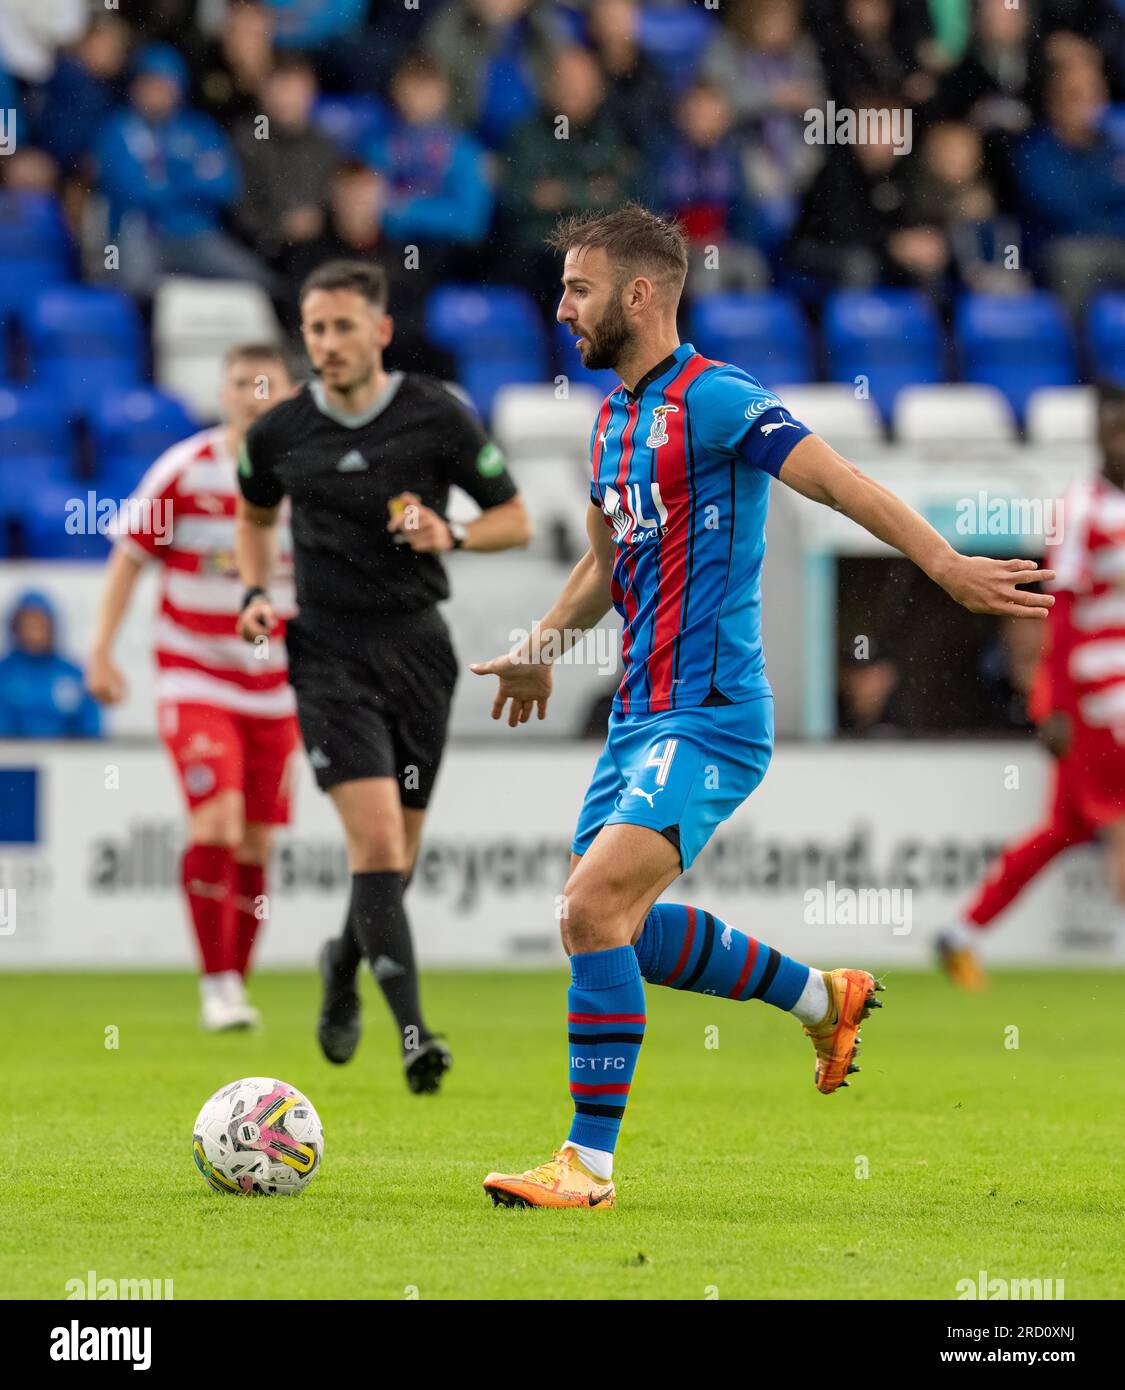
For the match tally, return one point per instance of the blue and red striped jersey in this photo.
(681, 471)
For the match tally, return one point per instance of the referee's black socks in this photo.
(379, 924)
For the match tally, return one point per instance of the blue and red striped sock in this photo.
(605, 1026)
(687, 948)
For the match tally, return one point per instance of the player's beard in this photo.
(607, 344)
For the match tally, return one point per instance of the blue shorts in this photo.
(681, 773)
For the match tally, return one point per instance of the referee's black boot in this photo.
(338, 1028)
(426, 1065)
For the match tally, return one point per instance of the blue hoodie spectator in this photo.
(175, 168)
(42, 695)
(68, 109)
(434, 173)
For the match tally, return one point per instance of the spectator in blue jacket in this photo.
(41, 693)
(313, 23)
(67, 110)
(169, 174)
(1071, 181)
(438, 191)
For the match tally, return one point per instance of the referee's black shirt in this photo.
(341, 471)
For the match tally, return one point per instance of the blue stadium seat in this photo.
(1105, 337)
(676, 39)
(764, 334)
(1016, 343)
(57, 523)
(34, 426)
(135, 426)
(351, 120)
(84, 342)
(469, 318)
(569, 364)
(35, 247)
(496, 336)
(891, 337)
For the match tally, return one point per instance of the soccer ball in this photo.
(258, 1135)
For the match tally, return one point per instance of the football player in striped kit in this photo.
(226, 711)
(683, 453)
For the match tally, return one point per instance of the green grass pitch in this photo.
(735, 1178)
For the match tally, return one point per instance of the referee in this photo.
(366, 458)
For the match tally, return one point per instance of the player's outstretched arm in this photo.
(103, 680)
(977, 582)
(525, 671)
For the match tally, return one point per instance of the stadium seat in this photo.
(194, 323)
(84, 341)
(971, 417)
(1105, 336)
(675, 39)
(350, 120)
(21, 478)
(891, 337)
(1015, 343)
(1062, 416)
(35, 247)
(134, 427)
(57, 523)
(470, 319)
(836, 413)
(569, 364)
(32, 426)
(764, 334)
(495, 335)
(532, 421)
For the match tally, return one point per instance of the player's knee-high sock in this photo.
(606, 1026)
(380, 924)
(207, 874)
(347, 950)
(249, 911)
(687, 948)
(1018, 865)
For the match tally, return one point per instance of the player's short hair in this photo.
(367, 278)
(637, 242)
(255, 352)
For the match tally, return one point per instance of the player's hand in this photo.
(104, 681)
(984, 585)
(256, 620)
(425, 531)
(1055, 734)
(524, 683)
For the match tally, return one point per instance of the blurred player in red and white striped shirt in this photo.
(1078, 698)
(226, 709)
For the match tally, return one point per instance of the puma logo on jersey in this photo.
(352, 462)
(779, 425)
(639, 791)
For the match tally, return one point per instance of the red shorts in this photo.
(1091, 778)
(217, 750)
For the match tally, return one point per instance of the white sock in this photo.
(223, 984)
(595, 1161)
(811, 1007)
(961, 934)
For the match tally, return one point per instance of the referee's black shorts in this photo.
(373, 697)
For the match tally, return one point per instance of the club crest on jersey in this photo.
(658, 432)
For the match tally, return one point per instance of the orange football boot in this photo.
(563, 1182)
(851, 995)
(962, 965)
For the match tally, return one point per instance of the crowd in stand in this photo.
(197, 136)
